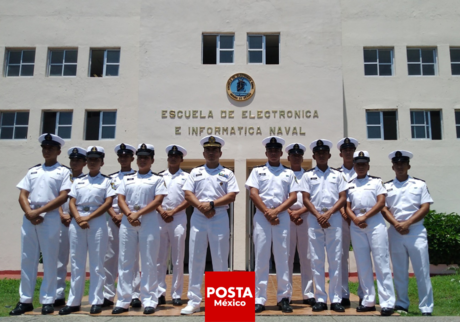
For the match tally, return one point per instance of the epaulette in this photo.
(351, 180)
(130, 174)
(161, 171)
(201, 165)
(337, 169)
(114, 173)
(389, 181)
(65, 166)
(227, 169)
(260, 166)
(35, 166)
(286, 167)
(309, 170)
(157, 174)
(373, 177)
(106, 176)
(418, 179)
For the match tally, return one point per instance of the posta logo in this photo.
(230, 296)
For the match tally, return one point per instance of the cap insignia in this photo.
(361, 154)
(93, 149)
(319, 143)
(143, 146)
(75, 150)
(122, 146)
(174, 148)
(273, 140)
(347, 140)
(296, 146)
(398, 154)
(48, 137)
(212, 139)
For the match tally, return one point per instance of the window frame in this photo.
(104, 66)
(56, 124)
(101, 125)
(457, 125)
(429, 125)
(381, 125)
(262, 49)
(218, 49)
(453, 63)
(14, 124)
(435, 59)
(391, 50)
(7, 64)
(63, 64)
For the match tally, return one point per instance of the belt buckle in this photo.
(86, 208)
(324, 209)
(137, 207)
(363, 211)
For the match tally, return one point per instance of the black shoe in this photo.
(400, 308)
(59, 302)
(119, 310)
(260, 308)
(177, 302)
(386, 311)
(22, 308)
(95, 309)
(426, 314)
(363, 308)
(337, 307)
(284, 306)
(69, 309)
(136, 303)
(161, 300)
(310, 302)
(107, 303)
(319, 306)
(47, 309)
(345, 302)
(149, 310)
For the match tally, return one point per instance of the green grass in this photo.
(446, 292)
(9, 294)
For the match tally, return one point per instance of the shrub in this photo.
(443, 237)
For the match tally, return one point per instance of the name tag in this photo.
(34, 172)
(129, 179)
(199, 174)
(313, 178)
(81, 183)
(262, 174)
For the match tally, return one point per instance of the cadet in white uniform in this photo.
(125, 154)
(407, 203)
(42, 191)
(77, 158)
(209, 189)
(324, 194)
(173, 225)
(273, 189)
(139, 195)
(299, 228)
(91, 196)
(366, 198)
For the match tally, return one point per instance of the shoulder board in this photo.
(130, 174)
(418, 179)
(106, 176)
(114, 173)
(309, 170)
(81, 177)
(286, 167)
(389, 181)
(35, 166)
(65, 166)
(201, 165)
(227, 169)
(156, 174)
(373, 177)
(161, 171)
(337, 169)
(259, 166)
(351, 180)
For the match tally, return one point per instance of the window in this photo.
(62, 62)
(421, 62)
(457, 123)
(455, 61)
(100, 125)
(264, 49)
(13, 125)
(218, 49)
(382, 125)
(426, 124)
(104, 62)
(20, 63)
(59, 123)
(378, 62)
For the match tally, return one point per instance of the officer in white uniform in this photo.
(324, 194)
(125, 154)
(91, 196)
(366, 198)
(77, 156)
(273, 189)
(407, 203)
(209, 189)
(173, 225)
(42, 191)
(347, 146)
(299, 228)
(139, 195)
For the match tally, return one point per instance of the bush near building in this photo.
(443, 237)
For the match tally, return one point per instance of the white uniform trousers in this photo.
(331, 238)
(216, 231)
(172, 234)
(264, 234)
(92, 241)
(63, 260)
(414, 246)
(346, 238)
(299, 239)
(111, 263)
(373, 239)
(143, 239)
(35, 238)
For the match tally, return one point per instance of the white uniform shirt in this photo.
(174, 182)
(323, 187)
(141, 189)
(211, 184)
(362, 193)
(45, 183)
(405, 198)
(65, 206)
(117, 177)
(299, 203)
(274, 183)
(91, 191)
(348, 174)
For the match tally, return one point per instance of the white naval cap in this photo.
(295, 148)
(173, 149)
(347, 143)
(400, 155)
(50, 139)
(273, 142)
(212, 140)
(145, 149)
(122, 149)
(321, 144)
(95, 152)
(76, 152)
(361, 156)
